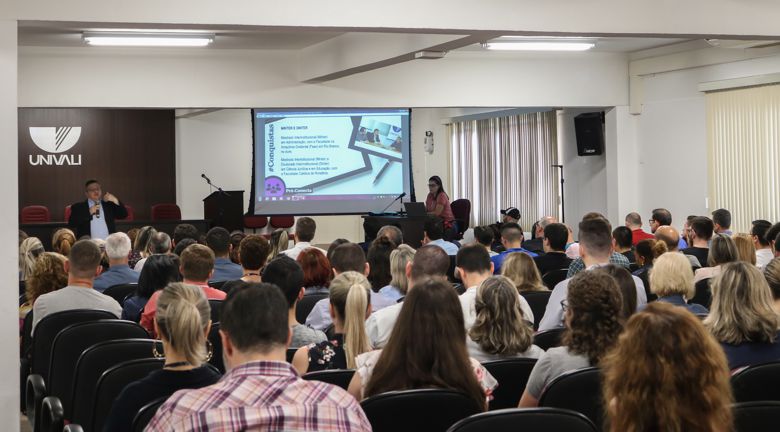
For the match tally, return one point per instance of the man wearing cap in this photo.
(510, 215)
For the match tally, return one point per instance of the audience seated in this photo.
(196, 267)
(393, 233)
(235, 241)
(399, 283)
(522, 271)
(159, 244)
(141, 245)
(30, 249)
(746, 252)
(485, 236)
(433, 234)
(62, 241)
(578, 264)
(185, 231)
(430, 262)
(772, 276)
(686, 231)
(622, 243)
(763, 247)
(672, 281)
(83, 265)
(771, 237)
(595, 250)
(159, 271)
(593, 324)
(666, 374)
(535, 244)
(286, 274)
(304, 234)
(119, 272)
(721, 219)
(317, 272)
(349, 308)
(742, 317)
(474, 267)
(184, 244)
(500, 330)
(218, 239)
(261, 391)
(556, 236)
(647, 251)
(511, 239)
(345, 257)
(723, 250)
(671, 237)
(427, 348)
(47, 275)
(700, 234)
(252, 255)
(280, 241)
(634, 222)
(182, 323)
(627, 288)
(378, 259)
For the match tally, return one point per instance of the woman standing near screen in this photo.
(438, 203)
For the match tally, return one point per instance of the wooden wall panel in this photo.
(130, 151)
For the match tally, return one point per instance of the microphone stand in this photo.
(563, 208)
(399, 197)
(222, 194)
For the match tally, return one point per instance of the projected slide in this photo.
(329, 161)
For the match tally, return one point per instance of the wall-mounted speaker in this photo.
(589, 128)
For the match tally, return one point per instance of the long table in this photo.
(45, 230)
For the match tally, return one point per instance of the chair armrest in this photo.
(52, 415)
(34, 394)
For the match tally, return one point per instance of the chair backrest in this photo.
(113, 381)
(26, 343)
(120, 292)
(93, 362)
(461, 210)
(338, 377)
(216, 310)
(290, 354)
(47, 330)
(537, 300)
(130, 214)
(578, 390)
(306, 304)
(549, 338)
(71, 342)
(146, 413)
(422, 409)
(531, 419)
(756, 416)
(703, 294)
(67, 213)
(759, 382)
(553, 277)
(255, 222)
(166, 211)
(216, 347)
(217, 284)
(35, 213)
(282, 221)
(512, 376)
(73, 427)
(52, 415)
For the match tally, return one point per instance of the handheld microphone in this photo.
(97, 210)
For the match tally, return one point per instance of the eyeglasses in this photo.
(564, 305)
(432, 185)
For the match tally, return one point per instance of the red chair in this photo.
(130, 214)
(67, 213)
(255, 222)
(34, 214)
(282, 221)
(166, 211)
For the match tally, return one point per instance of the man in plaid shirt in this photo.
(260, 390)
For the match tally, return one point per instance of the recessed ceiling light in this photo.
(536, 45)
(148, 39)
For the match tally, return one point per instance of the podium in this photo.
(411, 227)
(225, 209)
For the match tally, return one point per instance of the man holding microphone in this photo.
(95, 216)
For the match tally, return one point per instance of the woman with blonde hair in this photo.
(399, 283)
(742, 317)
(48, 274)
(500, 330)
(746, 250)
(280, 242)
(183, 321)
(666, 373)
(29, 251)
(350, 305)
(672, 281)
(520, 268)
(62, 241)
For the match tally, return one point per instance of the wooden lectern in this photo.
(225, 209)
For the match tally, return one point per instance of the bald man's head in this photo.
(668, 235)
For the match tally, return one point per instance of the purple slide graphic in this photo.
(274, 186)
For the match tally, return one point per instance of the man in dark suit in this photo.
(95, 216)
(555, 236)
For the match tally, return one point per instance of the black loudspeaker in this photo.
(590, 133)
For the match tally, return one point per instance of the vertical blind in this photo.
(506, 161)
(743, 138)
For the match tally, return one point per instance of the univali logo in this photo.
(55, 140)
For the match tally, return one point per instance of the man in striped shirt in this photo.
(260, 390)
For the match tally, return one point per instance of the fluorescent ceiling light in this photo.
(536, 45)
(149, 39)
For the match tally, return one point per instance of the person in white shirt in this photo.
(473, 265)
(304, 234)
(82, 266)
(430, 262)
(433, 234)
(763, 247)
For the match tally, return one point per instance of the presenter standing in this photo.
(438, 203)
(95, 216)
